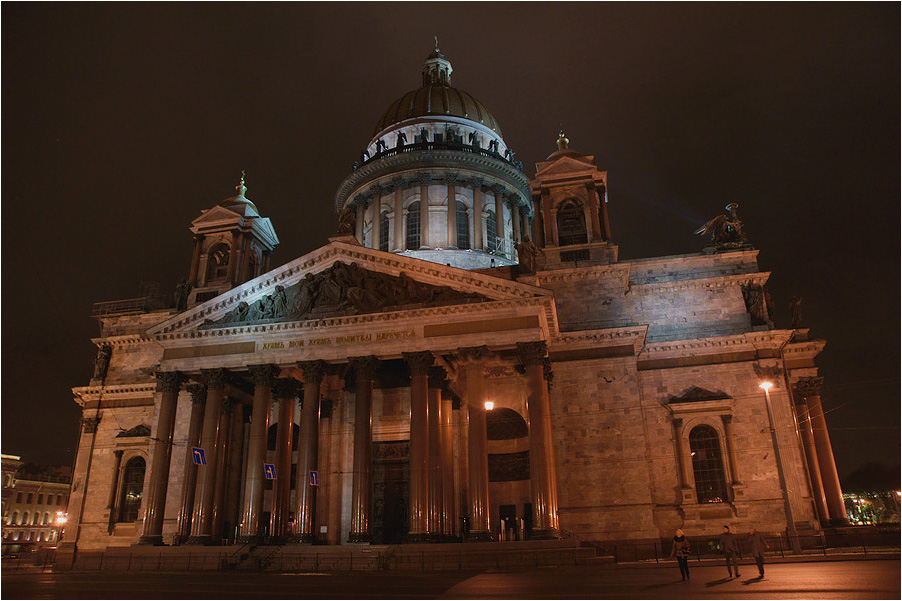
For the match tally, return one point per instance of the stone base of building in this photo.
(155, 540)
(544, 534)
(250, 539)
(480, 536)
(200, 539)
(360, 538)
(417, 537)
(302, 539)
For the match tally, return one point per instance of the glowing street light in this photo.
(489, 405)
(787, 507)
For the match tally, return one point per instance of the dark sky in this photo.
(122, 121)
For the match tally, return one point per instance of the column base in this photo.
(360, 537)
(544, 534)
(418, 537)
(480, 536)
(155, 540)
(250, 539)
(302, 539)
(200, 539)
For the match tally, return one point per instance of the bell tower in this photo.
(232, 244)
(569, 194)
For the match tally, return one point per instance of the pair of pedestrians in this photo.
(729, 546)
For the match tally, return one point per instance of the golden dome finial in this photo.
(241, 187)
(436, 43)
(562, 140)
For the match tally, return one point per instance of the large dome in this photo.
(438, 100)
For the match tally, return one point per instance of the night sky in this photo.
(121, 122)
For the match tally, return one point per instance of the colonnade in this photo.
(210, 499)
(369, 208)
(826, 489)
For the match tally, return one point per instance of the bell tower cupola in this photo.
(569, 194)
(233, 243)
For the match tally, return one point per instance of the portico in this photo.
(413, 375)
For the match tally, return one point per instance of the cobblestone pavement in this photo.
(859, 579)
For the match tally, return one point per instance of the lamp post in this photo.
(787, 507)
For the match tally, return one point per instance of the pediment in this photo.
(567, 165)
(695, 394)
(344, 278)
(217, 214)
(136, 432)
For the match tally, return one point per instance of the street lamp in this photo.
(787, 507)
(61, 518)
(489, 405)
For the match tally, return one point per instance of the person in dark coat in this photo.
(757, 544)
(730, 550)
(681, 552)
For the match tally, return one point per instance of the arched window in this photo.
(413, 226)
(12, 520)
(218, 262)
(571, 224)
(46, 519)
(24, 521)
(383, 231)
(132, 487)
(707, 465)
(491, 241)
(463, 226)
(35, 518)
(40, 536)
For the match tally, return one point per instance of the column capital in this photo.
(473, 352)
(419, 362)
(314, 371)
(726, 419)
(229, 403)
(216, 378)
(810, 386)
(677, 422)
(169, 381)
(89, 424)
(263, 375)
(285, 388)
(198, 393)
(437, 377)
(547, 371)
(364, 367)
(118, 453)
(532, 353)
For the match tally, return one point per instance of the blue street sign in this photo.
(314, 478)
(269, 469)
(198, 455)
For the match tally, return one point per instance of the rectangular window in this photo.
(30, 498)
(41, 499)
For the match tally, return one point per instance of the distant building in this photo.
(34, 501)
(467, 359)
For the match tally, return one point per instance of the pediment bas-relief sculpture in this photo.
(137, 431)
(342, 289)
(695, 394)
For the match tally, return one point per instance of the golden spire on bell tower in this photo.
(562, 141)
(241, 187)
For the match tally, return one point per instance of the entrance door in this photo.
(391, 492)
(508, 514)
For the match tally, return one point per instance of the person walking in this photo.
(730, 550)
(681, 552)
(758, 545)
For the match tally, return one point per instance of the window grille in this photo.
(707, 465)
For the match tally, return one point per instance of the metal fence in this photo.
(779, 546)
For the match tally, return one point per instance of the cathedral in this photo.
(466, 359)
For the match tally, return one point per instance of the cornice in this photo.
(431, 158)
(708, 283)
(768, 339)
(583, 273)
(634, 335)
(85, 394)
(118, 342)
(810, 348)
(546, 303)
(322, 258)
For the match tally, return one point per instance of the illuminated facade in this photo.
(34, 504)
(432, 374)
